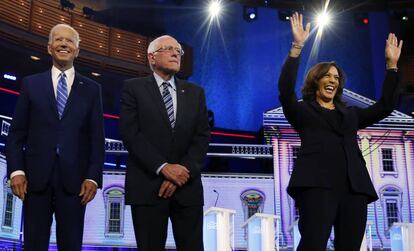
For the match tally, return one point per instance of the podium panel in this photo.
(261, 232)
(218, 229)
(402, 236)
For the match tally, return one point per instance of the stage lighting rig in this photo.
(88, 12)
(67, 4)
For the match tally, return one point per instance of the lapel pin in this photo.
(182, 91)
(80, 82)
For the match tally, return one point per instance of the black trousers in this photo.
(38, 210)
(320, 209)
(151, 223)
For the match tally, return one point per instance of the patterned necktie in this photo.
(61, 94)
(166, 96)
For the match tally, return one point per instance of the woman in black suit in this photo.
(330, 182)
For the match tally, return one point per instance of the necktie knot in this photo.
(166, 85)
(62, 75)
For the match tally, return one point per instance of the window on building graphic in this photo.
(391, 204)
(8, 207)
(114, 224)
(294, 150)
(391, 207)
(387, 160)
(252, 202)
(114, 206)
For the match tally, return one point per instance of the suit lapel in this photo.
(181, 101)
(345, 116)
(155, 93)
(50, 92)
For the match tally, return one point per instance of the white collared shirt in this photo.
(70, 77)
(172, 88)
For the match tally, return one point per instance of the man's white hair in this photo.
(153, 46)
(52, 31)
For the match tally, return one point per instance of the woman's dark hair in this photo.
(310, 86)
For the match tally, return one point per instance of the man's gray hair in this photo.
(153, 46)
(77, 38)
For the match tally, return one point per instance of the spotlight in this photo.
(361, 19)
(323, 19)
(284, 15)
(214, 8)
(249, 13)
(401, 16)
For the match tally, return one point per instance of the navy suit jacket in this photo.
(36, 132)
(147, 134)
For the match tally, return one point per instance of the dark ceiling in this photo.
(124, 13)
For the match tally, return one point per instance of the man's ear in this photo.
(77, 52)
(150, 57)
(49, 50)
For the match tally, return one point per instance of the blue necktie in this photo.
(166, 96)
(61, 94)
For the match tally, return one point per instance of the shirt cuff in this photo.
(94, 182)
(18, 172)
(160, 168)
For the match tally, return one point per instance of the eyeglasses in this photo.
(171, 49)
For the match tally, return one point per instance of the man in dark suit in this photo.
(164, 125)
(55, 147)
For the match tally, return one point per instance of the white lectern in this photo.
(218, 229)
(367, 240)
(261, 232)
(402, 236)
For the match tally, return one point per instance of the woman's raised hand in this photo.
(392, 50)
(299, 34)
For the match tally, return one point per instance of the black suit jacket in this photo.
(146, 132)
(314, 167)
(36, 132)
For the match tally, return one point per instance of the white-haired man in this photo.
(164, 125)
(55, 147)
